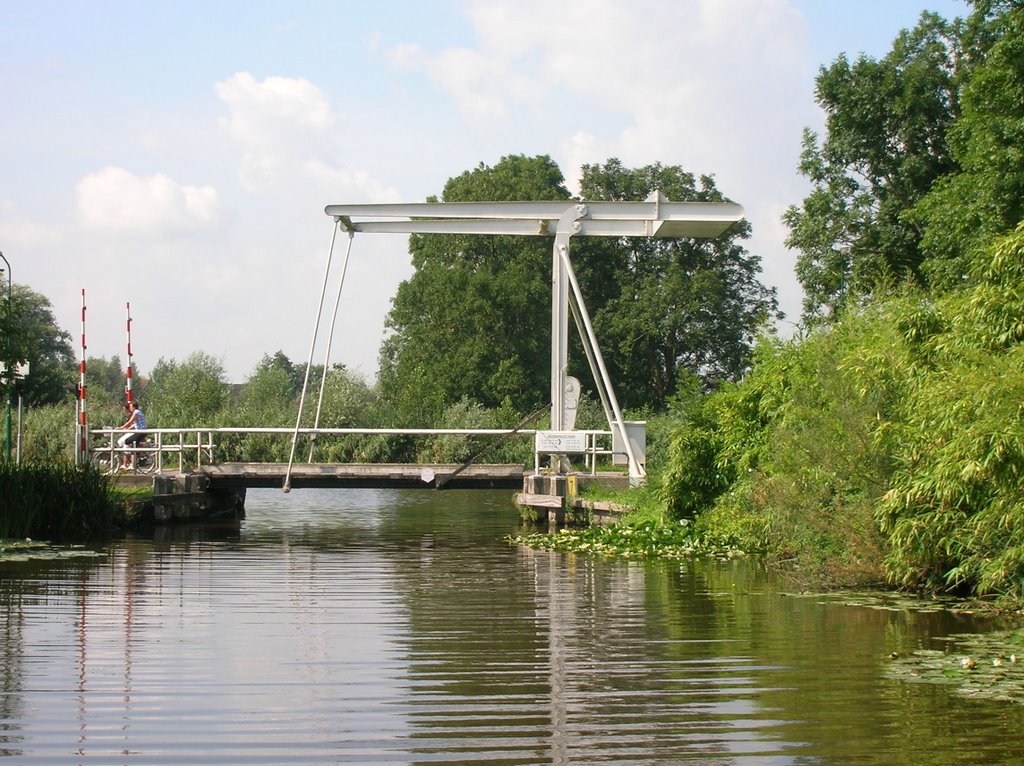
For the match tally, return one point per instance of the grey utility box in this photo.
(636, 432)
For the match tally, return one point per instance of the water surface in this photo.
(396, 627)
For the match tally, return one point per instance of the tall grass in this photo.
(54, 501)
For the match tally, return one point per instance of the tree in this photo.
(187, 394)
(106, 378)
(268, 397)
(667, 309)
(966, 210)
(31, 335)
(885, 145)
(473, 321)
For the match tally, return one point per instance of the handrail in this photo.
(200, 441)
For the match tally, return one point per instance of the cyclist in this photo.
(137, 423)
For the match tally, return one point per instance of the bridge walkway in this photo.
(349, 475)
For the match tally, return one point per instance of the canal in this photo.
(397, 627)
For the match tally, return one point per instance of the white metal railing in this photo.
(194, 447)
(159, 446)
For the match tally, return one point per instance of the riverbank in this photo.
(58, 502)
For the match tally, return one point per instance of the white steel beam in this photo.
(655, 217)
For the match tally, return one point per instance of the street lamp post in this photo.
(8, 372)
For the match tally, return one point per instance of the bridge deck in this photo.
(342, 475)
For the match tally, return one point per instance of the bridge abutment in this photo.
(190, 497)
(554, 499)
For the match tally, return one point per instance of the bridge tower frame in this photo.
(564, 219)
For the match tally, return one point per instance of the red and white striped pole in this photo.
(128, 367)
(83, 428)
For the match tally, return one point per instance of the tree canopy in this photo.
(189, 393)
(670, 308)
(984, 198)
(921, 162)
(473, 322)
(885, 144)
(31, 335)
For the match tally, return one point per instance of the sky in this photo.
(178, 157)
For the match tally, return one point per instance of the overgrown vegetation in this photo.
(887, 447)
(56, 502)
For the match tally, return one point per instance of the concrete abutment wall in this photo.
(554, 499)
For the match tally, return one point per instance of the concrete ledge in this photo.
(190, 497)
(540, 501)
(551, 498)
(601, 512)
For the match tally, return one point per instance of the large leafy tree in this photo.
(105, 378)
(107, 382)
(269, 396)
(669, 309)
(187, 394)
(473, 321)
(885, 145)
(966, 210)
(30, 334)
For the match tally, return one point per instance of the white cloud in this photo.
(263, 114)
(407, 56)
(276, 122)
(656, 80)
(289, 137)
(484, 88)
(116, 201)
(350, 185)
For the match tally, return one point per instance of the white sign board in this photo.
(561, 442)
(20, 371)
(636, 432)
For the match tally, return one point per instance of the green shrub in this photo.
(889, 445)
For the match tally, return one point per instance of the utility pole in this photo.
(8, 365)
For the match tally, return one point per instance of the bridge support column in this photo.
(189, 497)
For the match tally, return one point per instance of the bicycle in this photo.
(142, 450)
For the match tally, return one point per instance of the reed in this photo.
(54, 501)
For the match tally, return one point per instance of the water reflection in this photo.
(397, 627)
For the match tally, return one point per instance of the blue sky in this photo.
(178, 156)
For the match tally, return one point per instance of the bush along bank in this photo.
(58, 502)
(887, 447)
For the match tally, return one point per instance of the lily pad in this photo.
(32, 550)
(988, 665)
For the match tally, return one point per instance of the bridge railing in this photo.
(161, 449)
(166, 449)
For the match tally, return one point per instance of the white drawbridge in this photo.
(655, 217)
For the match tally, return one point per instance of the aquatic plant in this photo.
(647, 541)
(57, 502)
(988, 666)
